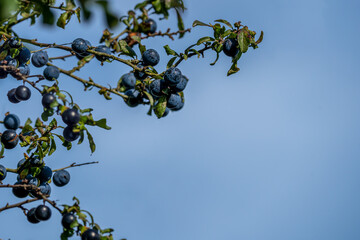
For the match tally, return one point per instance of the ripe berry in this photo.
(14, 43)
(70, 116)
(140, 75)
(31, 216)
(45, 189)
(47, 100)
(10, 139)
(61, 178)
(20, 192)
(45, 174)
(156, 87)
(11, 96)
(128, 80)
(102, 49)
(23, 69)
(31, 180)
(67, 220)
(12, 121)
(70, 135)
(150, 26)
(22, 93)
(178, 107)
(134, 97)
(173, 100)
(90, 234)
(24, 55)
(39, 59)
(80, 45)
(11, 63)
(181, 85)
(150, 57)
(3, 172)
(43, 213)
(230, 47)
(51, 73)
(172, 76)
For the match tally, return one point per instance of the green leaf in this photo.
(102, 123)
(225, 22)
(160, 107)
(52, 146)
(169, 51)
(91, 141)
(199, 23)
(2, 150)
(180, 23)
(171, 62)
(151, 99)
(244, 41)
(64, 19)
(125, 49)
(260, 38)
(204, 39)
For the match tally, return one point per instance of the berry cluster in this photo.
(135, 84)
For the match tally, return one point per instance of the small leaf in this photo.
(204, 39)
(169, 51)
(199, 23)
(160, 107)
(171, 62)
(244, 41)
(225, 22)
(151, 99)
(91, 141)
(102, 123)
(64, 19)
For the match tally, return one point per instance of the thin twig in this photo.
(75, 165)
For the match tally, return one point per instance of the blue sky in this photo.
(269, 153)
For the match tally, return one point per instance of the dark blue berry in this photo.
(31, 216)
(80, 45)
(47, 100)
(43, 213)
(128, 80)
(102, 49)
(12, 121)
(11, 96)
(173, 101)
(51, 73)
(140, 75)
(61, 178)
(150, 57)
(90, 234)
(19, 191)
(45, 174)
(67, 220)
(24, 55)
(156, 87)
(10, 139)
(70, 116)
(181, 85)
(22, 93)
(172, 76)
(150, 26)
(3, 172)
(230, 47)
(70, 135)
(39, 59)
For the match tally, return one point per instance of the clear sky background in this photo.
(271, 153)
